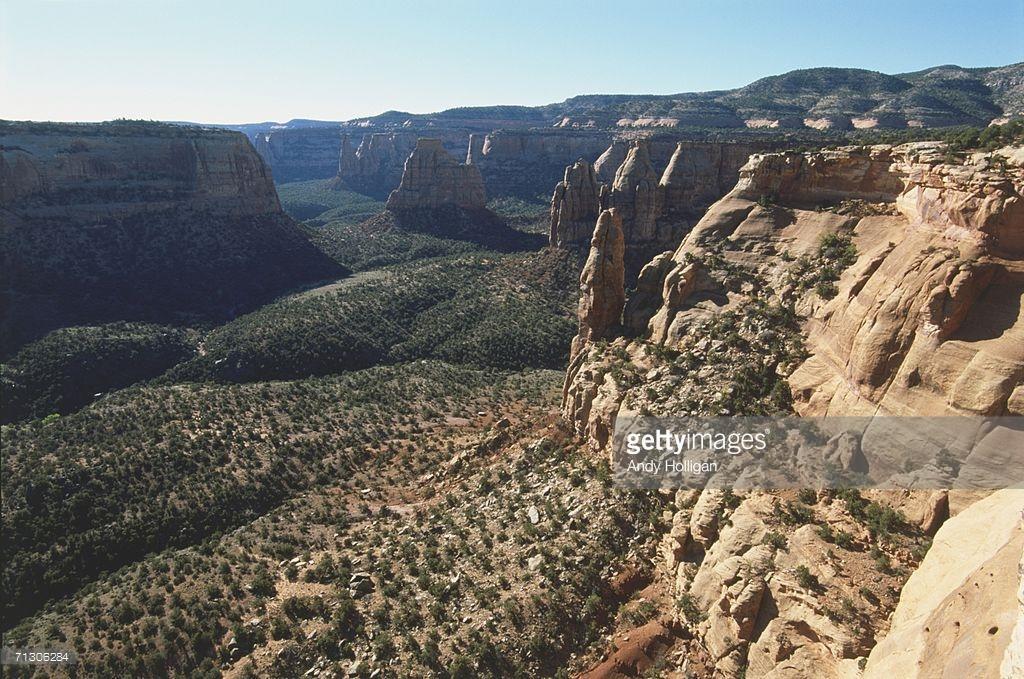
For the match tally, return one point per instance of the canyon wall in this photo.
(139, 221)
(925, 319)
(526, 164)
(659, 187)
(374, 167)
(859, 281)
(300, 154)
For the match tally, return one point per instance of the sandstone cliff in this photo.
(859, 281)
(942, 249)
(139, 221)
(522, 163)
(300, 154)
(432, 179)
(575, 206)
(636, 194)
(660, 188)
(959, 610)
(804, 99)
(526, 164)
(608, 162)
(375, 167)
(601, 282)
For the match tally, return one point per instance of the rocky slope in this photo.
(122, 221)
(960, 608)
(859, 281)
(936, 272)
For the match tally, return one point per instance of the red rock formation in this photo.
(608, 163)
(636, 195)
(602, 283)
(378, 163)
(527, 163)
(927, 320)
(574, 207)
(348, 162)
(433, 179)
(656, 211)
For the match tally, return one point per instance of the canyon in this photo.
(380, 441)
(522, 150)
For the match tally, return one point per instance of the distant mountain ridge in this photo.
(819, 98)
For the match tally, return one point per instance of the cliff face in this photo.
(659, 188)
(861, 281)
(575, 206)
(959, 611)
(805, 99)
(512, 163)
(139, 221)
(375, 167)
(300, 154)
(926, 318)
(434, 179)
(601, 282)
(932, 321)
(527, 163)
(607, 164)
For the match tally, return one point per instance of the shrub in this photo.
(806, 579)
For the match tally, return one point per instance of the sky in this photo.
(227, 61)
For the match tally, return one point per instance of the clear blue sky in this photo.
(225, 61)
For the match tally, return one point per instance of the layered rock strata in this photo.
(927, 318)
(140, 221)
(657, 208)
(526, 164)
(300, 154)
(375, 167)
(860, 281)
(432, 179)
